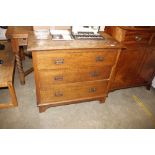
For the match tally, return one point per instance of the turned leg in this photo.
(16, 51)
(20, 68)
(22, 55)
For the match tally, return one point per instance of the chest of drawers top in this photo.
(35, 44)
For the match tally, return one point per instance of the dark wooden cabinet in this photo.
(148, 68)
(136, 64)
(128, 68)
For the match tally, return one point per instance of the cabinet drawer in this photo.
(59, 59)
(49, 77)
(22, 41)
(73, 91)
(137, 37)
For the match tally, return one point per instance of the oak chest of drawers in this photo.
(66, 74)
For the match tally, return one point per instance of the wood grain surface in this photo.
(35, 44)
(136, 64)
(7, 68)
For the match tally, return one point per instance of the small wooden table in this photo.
(18, 36)
(6, 74)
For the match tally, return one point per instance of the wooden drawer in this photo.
(22, 41)
(49, 77)
(73, 91)
(138, 37)
(67, 59)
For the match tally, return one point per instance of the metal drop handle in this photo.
(94, 74)
(99, 58)
(58, 78)
(59, 61)
(58, 94)
(138, 38)
(92, 90)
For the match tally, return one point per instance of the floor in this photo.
(119, 111)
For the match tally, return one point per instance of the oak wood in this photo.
(73, 91)
(45, 106)
(148, 67)
(35, 44)
(69, 72)
(36, 76)
(138, 28)
(136, 63)
(75, 58)
(18, 31)
(18, 36)
(137, 37)
(7, 68)
(152, 40)
(128, 70)
(22, 41)
(77, 75)
(6, 74)
(28, 71)
(60, 76)
(13, 94)
(102, 100)
(113, 71)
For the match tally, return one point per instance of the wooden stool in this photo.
(7, 63)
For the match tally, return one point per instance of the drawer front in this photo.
(22, 41)
(73, 91)
(137, 37)
(62, 60)
(49, 77)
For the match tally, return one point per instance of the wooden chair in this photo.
(7, 63)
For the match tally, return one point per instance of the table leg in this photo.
(20, 68)
(22, 55)
(16, 51)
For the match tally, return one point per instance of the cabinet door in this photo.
(128, 67)
(148, 68)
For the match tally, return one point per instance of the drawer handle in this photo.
(59, 61)
(1, 61)
(58, 78)
(99, 58)
(138, 38)
(58, 94)
(92, 90)
(94, 74)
